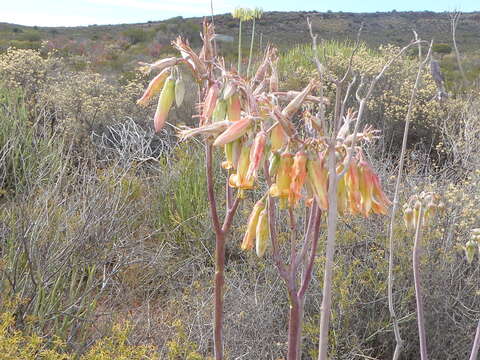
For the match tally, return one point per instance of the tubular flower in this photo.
(210, 129)
(164, 104)
(220, 111)
(278, 138)
(209, 104)
(234, 131)
(408, 217)
(256, 154)
(262, 233)
(229, 90)
(299, 173)
(353, 188)
(179, 92)
(232, 154)
(294, 105)
(234, 108)
(249, 237)
(373, 197)
(342, 196)
(161, 65)
(470, 250)
(274, 162)
(317, 175)
(154, 87)
(240, 179)
(281, 188)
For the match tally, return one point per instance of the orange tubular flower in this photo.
(240, 179)
(256, 154)
(278, 138)
(281, 188)
(372, 195)
(164, 104)
(209, 104)
(234, 108)
(154, 87)
(317, 175)
(299, 173)
(249, 237)
(353, 188)
(234, 131)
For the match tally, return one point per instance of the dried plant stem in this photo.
(330, 252)
(391, 244)
(454, 22)
(417, 251)
(476, 344)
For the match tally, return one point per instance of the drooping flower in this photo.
(232, 154)
(240, 180)
(281, 187)
(256, 154)
(209, 104)
(249, 237)
(262, 233)
(209, 129)
(179, 92)
(299, 173)
(294, 105)
(164, 104)
(220, 111)
(233, 132)
(278, 138)
(372, 195)
(154, 87)
(317, 175)
(352, 182)
(471, 248)
(274, 163)
(234, 108)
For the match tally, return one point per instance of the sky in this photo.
(89, 12)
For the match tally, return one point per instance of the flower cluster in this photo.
(258, 126)
(421, 208)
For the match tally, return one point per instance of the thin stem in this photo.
(417, 249)
(251, 48)
(330, 252)
(391, 246)
(218, 291)
(476, 344)
(239, 48)
(211, 190)
(454, 22)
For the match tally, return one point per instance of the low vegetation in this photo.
(106, 242)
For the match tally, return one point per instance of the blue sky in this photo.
(88, 12)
